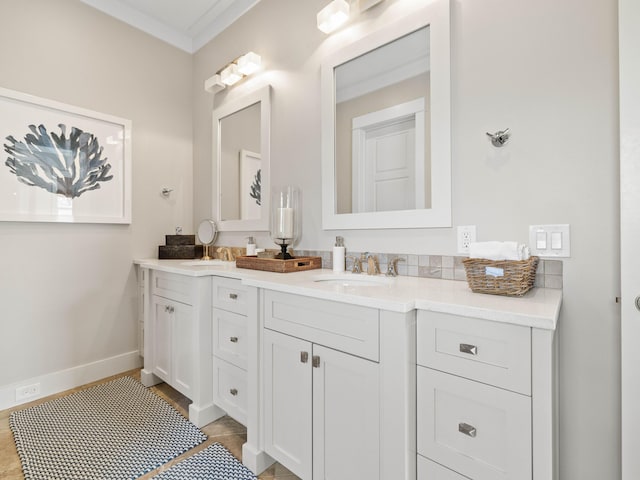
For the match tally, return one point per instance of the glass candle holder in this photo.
(284, 218)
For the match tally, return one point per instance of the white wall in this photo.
(545, 69)
(68, 292)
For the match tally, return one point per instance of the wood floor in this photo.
(226, 431)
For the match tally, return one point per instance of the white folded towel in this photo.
(498, 250)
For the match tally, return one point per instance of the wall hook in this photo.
(499, 138)
(166, 192)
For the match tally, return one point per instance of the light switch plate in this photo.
(557, 240)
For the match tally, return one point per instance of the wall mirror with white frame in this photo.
(241, 133)
(386, 134)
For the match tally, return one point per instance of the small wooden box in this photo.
(296, 264)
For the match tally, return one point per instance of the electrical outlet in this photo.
(466, 235)
(27, 391)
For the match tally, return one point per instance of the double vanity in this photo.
(356, 376)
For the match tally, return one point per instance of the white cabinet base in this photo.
(148, 378)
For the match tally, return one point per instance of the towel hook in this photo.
(499, 138)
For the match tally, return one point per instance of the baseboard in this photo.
(57, 382)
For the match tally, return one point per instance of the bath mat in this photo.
(213, 463)
(116, 430)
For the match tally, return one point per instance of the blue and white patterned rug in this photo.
(213, 463)
(113, 431)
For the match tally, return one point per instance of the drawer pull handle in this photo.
(470, 349)
(233, 339)
(467, 429)
(233, 391)
(233, 296)
(304, 357)
(315, 361)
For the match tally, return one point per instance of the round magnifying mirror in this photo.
(207, 233)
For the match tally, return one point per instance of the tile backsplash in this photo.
(548, 275)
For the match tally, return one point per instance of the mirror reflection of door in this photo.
(388, 159)
(240, 182)
(383, 128)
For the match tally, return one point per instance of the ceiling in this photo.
(187, 25)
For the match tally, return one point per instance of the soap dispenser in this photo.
(339, 256)
(251, 247)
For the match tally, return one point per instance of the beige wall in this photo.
(68, 292)
(548, 71)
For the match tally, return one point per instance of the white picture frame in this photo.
(250, 165)
(62, 163)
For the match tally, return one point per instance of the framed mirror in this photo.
(241, 133)
(386, 134)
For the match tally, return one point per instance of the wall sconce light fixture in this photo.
(333, 16)
(233, 72)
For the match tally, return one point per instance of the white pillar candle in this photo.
(284, 225)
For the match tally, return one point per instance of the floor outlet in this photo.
(27, 391)
(466, 235)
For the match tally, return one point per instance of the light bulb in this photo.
(333, 16)
(249, 63)
(230, 75)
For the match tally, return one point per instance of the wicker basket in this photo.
(501, 277)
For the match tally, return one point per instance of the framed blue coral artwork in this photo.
(62, 163)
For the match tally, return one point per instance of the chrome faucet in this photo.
(392, 267)
(373, 268)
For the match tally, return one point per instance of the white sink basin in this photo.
(353, 280)
(205, 263)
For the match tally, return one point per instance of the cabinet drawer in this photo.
(230, 389)
(230, 337)
(490, 352)
(348, 328)
(480, 431)
(172, 286)
(229, 294)
(428, 470)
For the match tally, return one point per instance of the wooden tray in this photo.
(296, 264)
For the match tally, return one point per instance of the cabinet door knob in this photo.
(233, 296)
(233, 339)
(304, 357)
(470, 349)
(233, 391)
(169, 308)
(467, 429)
(315, 361)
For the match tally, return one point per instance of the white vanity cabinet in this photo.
(230, 343)
(142, 274)
(177, 343)
(485, 393)
(174, 360)
(323, 398)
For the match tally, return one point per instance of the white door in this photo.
(389, 169)
(287, 401)
(346, 416)
(629, 19)
(388, 159)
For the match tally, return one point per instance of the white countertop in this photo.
(539, 308)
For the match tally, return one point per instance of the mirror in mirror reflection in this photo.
(240, 165)
(383, 128)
